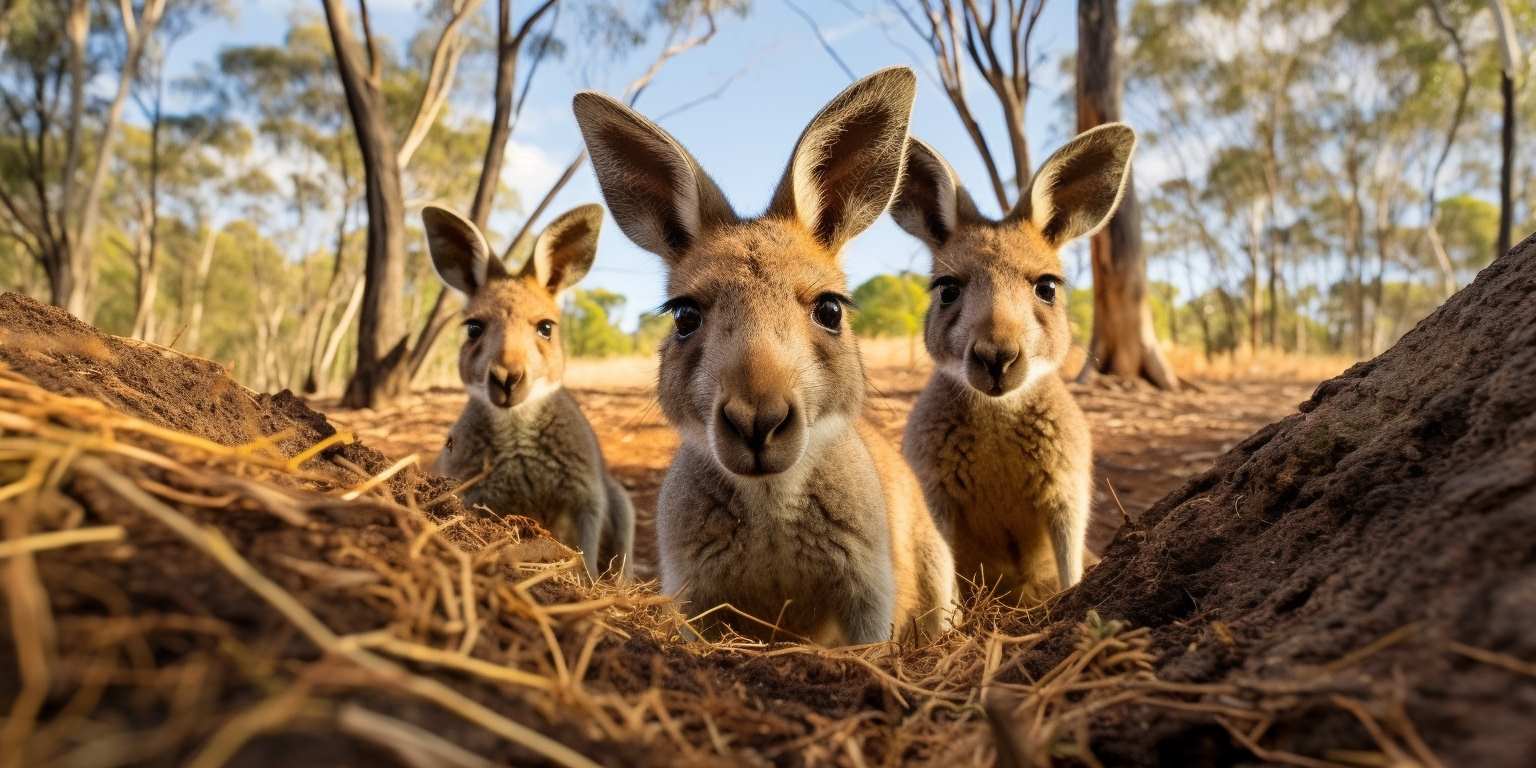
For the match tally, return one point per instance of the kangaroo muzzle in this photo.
(757, 436)
(758, 426)
(996, 366)
(505, 387)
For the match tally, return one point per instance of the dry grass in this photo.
(1246, 365)
(629, 371)
(482, 643)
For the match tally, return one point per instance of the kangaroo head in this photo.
(998, 319)
(511, 352)
(761, 360)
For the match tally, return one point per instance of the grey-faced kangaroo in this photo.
(1002, 450)
(543, 458)
(781, 501)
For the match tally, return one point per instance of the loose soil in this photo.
(1354, 584)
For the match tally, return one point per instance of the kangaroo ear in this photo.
(459, 252)
(658, 194)
(566, 248)
(930, 202)
(1078, 188)
(847, 164)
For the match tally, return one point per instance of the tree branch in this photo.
(440, 76)
(375, 62)
(821, 38)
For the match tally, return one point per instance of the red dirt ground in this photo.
(1146, 443)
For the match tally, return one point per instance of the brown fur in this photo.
(780, 501)
(543, 458)
(1003, 452)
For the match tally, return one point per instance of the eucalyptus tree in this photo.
(386, 355)
(60, 146)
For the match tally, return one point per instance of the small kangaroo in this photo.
(544, 460)
(781, 500)
(1003, 452)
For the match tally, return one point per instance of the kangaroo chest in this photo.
(998, 464)
(780, 555)
(532, 467)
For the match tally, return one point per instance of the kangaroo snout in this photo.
(504, 386)
(994, 366)
(757, 436)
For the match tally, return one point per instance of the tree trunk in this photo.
(1255, 303)
(1510, 60)
(339, 332)
(378, 376)
(200, 287)
(59, 265)
(1123, 343)
(312, 378)
(1507, 169)
(137, 32)
(149, 275)
(1272, 299)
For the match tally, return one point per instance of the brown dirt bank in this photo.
(1397, 508)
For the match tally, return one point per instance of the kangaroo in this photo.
(1002, 450)
(520, 425)
(781, 500)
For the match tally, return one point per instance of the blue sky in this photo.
(742, 138)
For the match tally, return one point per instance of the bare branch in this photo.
(1431, 204)
(821, 38)
(375, 63)
(440, 76)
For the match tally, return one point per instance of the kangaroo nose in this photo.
(996, 358)
(756, 424)
(500, 381)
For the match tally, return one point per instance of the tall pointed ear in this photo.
(460, 254)
(931, 202)
(847, 164)
(658, 194)
(1077, 190)
(566, 248)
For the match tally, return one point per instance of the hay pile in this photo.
(199, 574)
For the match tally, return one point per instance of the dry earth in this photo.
(1146, 442)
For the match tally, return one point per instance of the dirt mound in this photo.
(1394, 517)
(197, 573)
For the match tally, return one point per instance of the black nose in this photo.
(995, 358)
(756, 425)
(502, 380)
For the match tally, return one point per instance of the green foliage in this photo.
(1305, 141)
(587, 327)
(1469, 226)
(890, 305)
(654, 329)
(1080, 314)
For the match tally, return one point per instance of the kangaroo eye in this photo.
(686, 318)
(545, 328)
(1045, 289)
(949, 290)
(828, 313)
(473, 329)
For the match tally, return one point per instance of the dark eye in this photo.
(686, 318)
(546, 328)
(1045, 289)
(473, 329)
(949, 290)
(828, 313)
